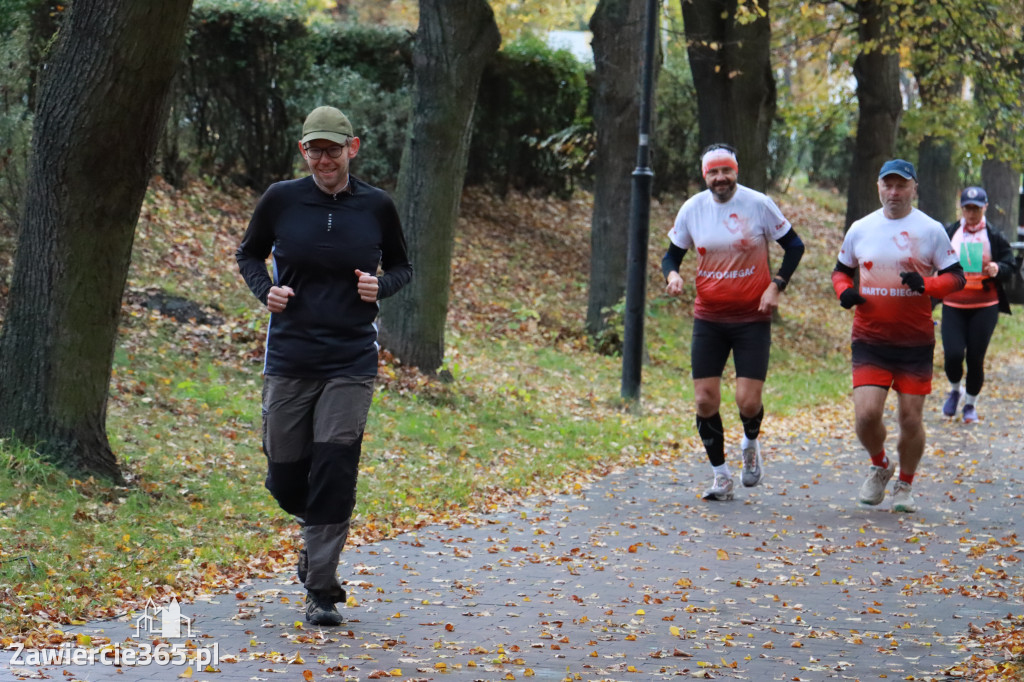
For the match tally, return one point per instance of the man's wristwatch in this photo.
(780, 283)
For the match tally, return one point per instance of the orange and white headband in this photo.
(717, 158)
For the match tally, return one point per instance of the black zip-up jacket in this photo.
(317, 241)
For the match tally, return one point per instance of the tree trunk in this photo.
(97, 122)
(618, 28)
(732, 73)
(879, 105)
(1002, 184)
(454, 41)
(938, 189)
(940, 91)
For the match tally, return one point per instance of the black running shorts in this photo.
(749, 342)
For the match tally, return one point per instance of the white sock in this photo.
(954, 386)
(746, 442)
(970, 399)
(722, 469)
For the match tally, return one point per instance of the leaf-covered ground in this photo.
(533, 407)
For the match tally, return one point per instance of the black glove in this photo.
(850, 298)
(914, 280)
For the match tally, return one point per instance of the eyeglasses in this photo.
(334, 151)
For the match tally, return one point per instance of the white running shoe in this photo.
(752, 471)
(903, 498)
(721, 488)
(872, 490)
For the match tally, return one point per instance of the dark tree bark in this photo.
(879, 108)
(732, 73)
(618, 28)
(99, 115)
(44, 19)
(937, 190)
(1002, 184)
(454, 41)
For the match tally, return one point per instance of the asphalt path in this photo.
(633, 577)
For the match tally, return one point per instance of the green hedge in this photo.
(252, 71)
(233, 114)
(528, 127)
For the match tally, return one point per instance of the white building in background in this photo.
(576, 42)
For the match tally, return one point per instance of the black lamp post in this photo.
(639, 224)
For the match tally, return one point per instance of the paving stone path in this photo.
(634, 578)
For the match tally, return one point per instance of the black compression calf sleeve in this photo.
(711, 433)
(752, 425)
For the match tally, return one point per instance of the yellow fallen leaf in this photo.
(723, 555)
(187, 673)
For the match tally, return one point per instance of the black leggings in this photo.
(966, 332)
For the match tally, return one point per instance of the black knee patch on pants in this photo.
(752, 425)
(288, 482)
(334, 472)
(712, 434)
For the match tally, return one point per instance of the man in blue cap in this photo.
(903, 259)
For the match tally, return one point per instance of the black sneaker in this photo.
(320, 611)
(303, 568)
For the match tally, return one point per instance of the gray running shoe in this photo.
(752, 471)
(721, 488)
(872, 491)
(903, 498)
(970, 414)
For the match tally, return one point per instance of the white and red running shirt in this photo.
(880, 249)
(731, 240)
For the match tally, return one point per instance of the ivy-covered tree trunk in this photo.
(99, 113)
(618, 28)
(454, 41)
(879, 107)
(732, 73)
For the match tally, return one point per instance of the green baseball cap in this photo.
(326, 123)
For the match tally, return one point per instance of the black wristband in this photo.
(780, 283)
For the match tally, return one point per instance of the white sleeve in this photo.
(943, 254)
(775, 223)
(680, 234)
(847, 255)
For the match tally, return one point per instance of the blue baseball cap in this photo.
(899, 167)
(973, 196)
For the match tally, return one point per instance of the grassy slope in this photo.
(532, 408)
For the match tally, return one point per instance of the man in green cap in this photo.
(337, 248)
